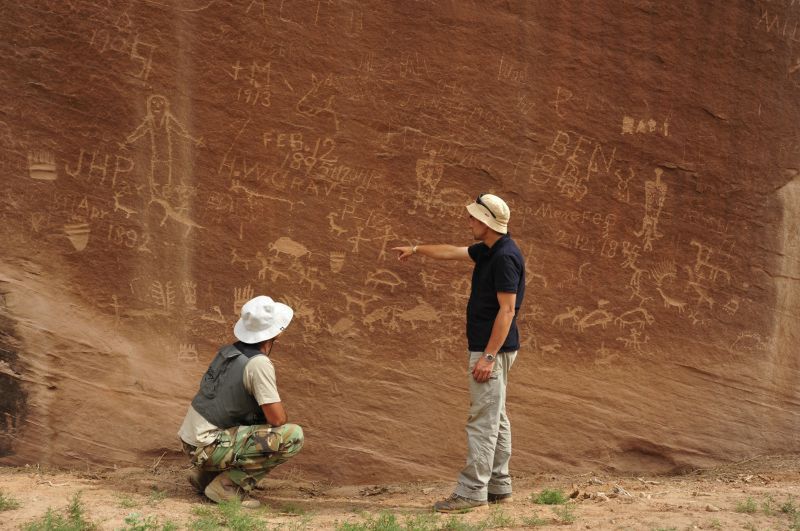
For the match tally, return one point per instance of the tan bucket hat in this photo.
(262, 319)
(491, 211)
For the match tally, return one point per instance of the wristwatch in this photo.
(489, 357)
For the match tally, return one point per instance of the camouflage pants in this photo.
(248, 453)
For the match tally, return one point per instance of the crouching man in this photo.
(235, 430)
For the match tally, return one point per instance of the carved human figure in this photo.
(159, 125)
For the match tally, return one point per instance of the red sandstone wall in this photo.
(165, 161)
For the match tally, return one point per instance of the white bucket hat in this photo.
(262, 319)
(491, 211)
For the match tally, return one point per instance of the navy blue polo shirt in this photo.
(497, 268)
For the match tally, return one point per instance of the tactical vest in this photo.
(222, 399)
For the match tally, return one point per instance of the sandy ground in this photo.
(762, 493)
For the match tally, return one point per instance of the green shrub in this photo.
(549, 497)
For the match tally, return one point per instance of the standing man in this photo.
(235, 430)
(498, 287)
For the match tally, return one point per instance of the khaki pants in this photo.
(488, 433)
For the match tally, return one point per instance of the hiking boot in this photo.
(457, 504)
(499, 498)
(223, 489)
(200, 478)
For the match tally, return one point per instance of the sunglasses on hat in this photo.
(481, 203)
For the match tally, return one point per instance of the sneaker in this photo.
(457, 504)
(200, 479)
(223, 489)
(499, 498)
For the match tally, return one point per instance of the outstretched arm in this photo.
(439, 251)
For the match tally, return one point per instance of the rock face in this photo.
(163, 162)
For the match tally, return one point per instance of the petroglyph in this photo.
(732, 306)
(175, 215)
(664, 270)
(428, 174)
(671, 302)
(655, 195)
(215, 316)
(120, 207)
(431, 281)
(309, 275)
(638, 318)
(318, 100)
(384, 277)
(634, 340)
(703, 266)
(650, 126)
(287, 246)
(703, 293)
(421, 313)
(42, 165)
(163, 295)
(571, 314)
(333, 226)
(189, 290)
(187, 352)
(159, 125)
(749, 342)
(337, 259)
(236, 259)
(384, 316)
(78, 234)
(237, 186)
(241, 296)
(269, 265)
(344, 328)
(361, 301)
(598, 317)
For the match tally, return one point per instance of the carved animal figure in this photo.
(289, 247)
(118, 206)
(638, 317)
(571, 313)
(594, 318)
(332, 225)
(361, 301)
(671, 301)
(422, 312)
(383, 315)
(384, 277)
(173, 214)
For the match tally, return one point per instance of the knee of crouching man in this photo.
(294, 438)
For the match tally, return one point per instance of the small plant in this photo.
(748, 506)
(456, 524)
(156, 496)
(549, 497)
(768, 505)
(498, 519)
(73, 520)
(788, 507)
(715, 524)
(227, 515)
(565, 513)
(138, 522)
(534, 521)
(7, 504)
(422, 522)
(290, 508)
(750, 526)
(127, 502)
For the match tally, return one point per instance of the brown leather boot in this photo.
(199, 478)
(222, 488)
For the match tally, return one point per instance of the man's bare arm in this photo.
(438, 251)
(500, 328)
(275, 414)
